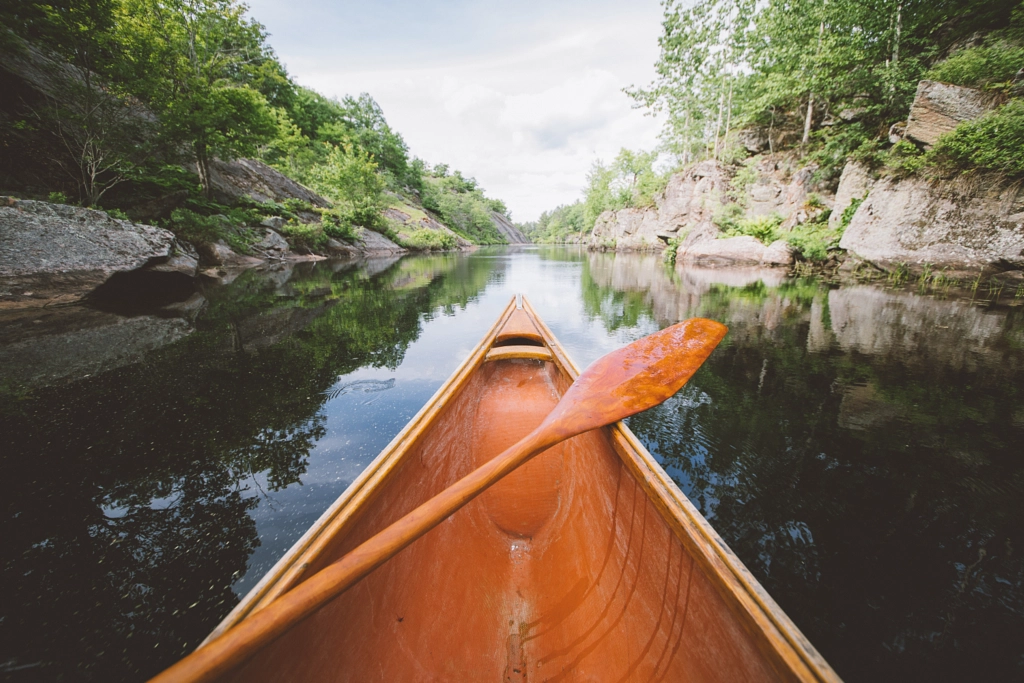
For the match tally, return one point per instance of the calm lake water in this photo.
(860, 448)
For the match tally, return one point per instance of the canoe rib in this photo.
(782, 645)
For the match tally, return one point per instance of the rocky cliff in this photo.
(507, 230)
(685, 210)
(965, 225)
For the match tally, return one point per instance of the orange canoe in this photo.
(586, 564)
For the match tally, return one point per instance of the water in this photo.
(858, 447)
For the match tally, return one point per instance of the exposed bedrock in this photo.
(963, 226)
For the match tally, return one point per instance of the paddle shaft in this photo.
(246, 638)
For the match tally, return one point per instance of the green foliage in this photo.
(674, 243)
(814, 240)
(461, 204)
(904, 159)
(844, 220)
(630, 181)
(173, 84)
(993, 142)
(563, 224)
(193, 64)
(118, 214)
(983, 66)
(425, 239)
(741, 182)
(733, 223)
(730, 64)
(195, 227)
(57, 198)
(311, 236)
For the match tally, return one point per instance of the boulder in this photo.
(371, 242)
(39, 237)
(220, 254)
(272, 244)
(938, 108)
(754, 140)
(965, 225)
(272, 222)
(854, 183)
(742, 250)
(232, 180)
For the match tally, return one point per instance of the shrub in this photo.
(904, 159)
(988, 65)
(813, 241)
(993, 142)
(337, 225)
(57, 198)
(194, 227)
(844, 220)
(428, 240)
(117, 214)
(310, 236)
(765, 229)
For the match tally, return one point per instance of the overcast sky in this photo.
(523, 96)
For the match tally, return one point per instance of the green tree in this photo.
(191, 61)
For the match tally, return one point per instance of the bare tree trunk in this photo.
(807, 120)
(899, 27)
(203, 168)
(718, 125)
(728, 117)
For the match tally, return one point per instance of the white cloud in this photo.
(525, 114)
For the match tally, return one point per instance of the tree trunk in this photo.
(203, 168)
(807, 121)
(718, 125)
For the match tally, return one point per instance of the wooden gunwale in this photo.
(782, 643)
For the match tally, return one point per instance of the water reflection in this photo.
(857, 447)
(131, 491)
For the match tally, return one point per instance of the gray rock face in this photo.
(688, 202)
(754, 140)
(509, 231)
(272, 243)
(38, 237)
(779, 189)
(375, 243)
(938, 108)
(965, 226)
(854, 183)
(232, 180)
(742, 250)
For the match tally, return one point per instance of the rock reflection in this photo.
(131, 474)
(859, 449)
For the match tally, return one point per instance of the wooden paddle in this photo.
(624, 382)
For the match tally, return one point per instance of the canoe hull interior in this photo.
(567, 570)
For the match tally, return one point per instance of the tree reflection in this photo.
(879, 497)
(127, 496)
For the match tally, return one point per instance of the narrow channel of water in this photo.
(860, 448)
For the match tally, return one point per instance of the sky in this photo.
(523, 96)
